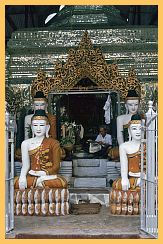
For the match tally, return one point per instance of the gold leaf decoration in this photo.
(85, 61)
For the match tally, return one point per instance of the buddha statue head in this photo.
(40, 101)
(135, 127)
(40, 124)
(132, 102)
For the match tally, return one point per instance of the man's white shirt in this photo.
(106, 139)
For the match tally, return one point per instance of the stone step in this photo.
(88, 162)
(90, 190)
(90, 167)
(89, 182)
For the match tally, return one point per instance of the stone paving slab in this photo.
(102, 225)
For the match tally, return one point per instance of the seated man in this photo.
(40, 102)
(130, 157)
(104, 140)
(40, 157)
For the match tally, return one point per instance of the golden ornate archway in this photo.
(85, 61)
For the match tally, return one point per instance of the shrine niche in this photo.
(86, 63)
(88, 78)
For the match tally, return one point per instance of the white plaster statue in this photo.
(40, 157)
(132, 105)
(40, 102)
(130, 157)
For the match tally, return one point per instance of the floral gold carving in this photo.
(85, 61)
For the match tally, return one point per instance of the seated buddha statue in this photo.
(40, 102)
(40, 157)
(130, 157)
(132, 105)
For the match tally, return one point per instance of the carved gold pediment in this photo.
(85, 61)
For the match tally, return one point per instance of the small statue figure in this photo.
(132, 105)
(40, 157)
(40, 102)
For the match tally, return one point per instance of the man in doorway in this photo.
(105, 140)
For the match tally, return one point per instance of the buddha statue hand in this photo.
(22, 182)
(43, 178)
(125, 184)
(37, 173)
(136, 175)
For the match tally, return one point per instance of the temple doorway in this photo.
(85, 109)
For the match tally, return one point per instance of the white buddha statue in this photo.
(130, 157)
(40, 102)
(41, 157)
(132, 105)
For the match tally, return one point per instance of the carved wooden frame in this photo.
(85, 61)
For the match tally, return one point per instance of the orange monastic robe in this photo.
(47, 158)
(134, 167)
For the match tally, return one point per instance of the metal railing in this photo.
(9, 172)
(149, 179)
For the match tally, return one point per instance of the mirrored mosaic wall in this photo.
(30, 50)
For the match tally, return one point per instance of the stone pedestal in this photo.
(41, 202)
(125, 202)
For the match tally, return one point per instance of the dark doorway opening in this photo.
(85, 109)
